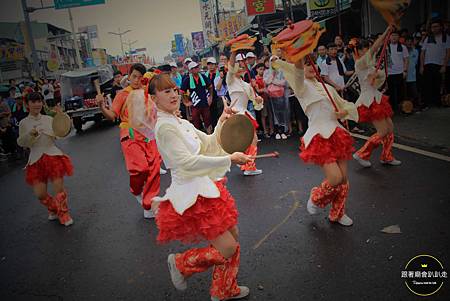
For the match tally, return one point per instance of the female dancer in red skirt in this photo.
(196, 206)
(241, 93)
(373, 106)
(325, 143)
(46, 162)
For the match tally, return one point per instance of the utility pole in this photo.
(129, 45)
(79, 62)
(120, 34)
(338, 5)
(34, 58)
(286, 9)
(26, 11)
(217, 18)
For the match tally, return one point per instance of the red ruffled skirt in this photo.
(205, 220)
(376, 111)
(322, 151)
(48, 168)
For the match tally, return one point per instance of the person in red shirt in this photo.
(260, 87)
(141, 155)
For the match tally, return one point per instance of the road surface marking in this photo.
(293, 208)
(411, 149)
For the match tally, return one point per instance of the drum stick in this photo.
(233, 103)
(269, 155)
(97, 86)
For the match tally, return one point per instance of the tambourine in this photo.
(242, 42)
(391, 10)
(293, 31)
(61, 125)
(237, 134)
(298, 39)
(407, 106)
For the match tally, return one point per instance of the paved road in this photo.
(110, 252)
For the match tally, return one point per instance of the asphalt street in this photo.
(110, 253)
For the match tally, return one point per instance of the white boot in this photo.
(364, 163)
(253, 172)
(312, 209)
(139, 199)
(393, 162)
(148, 214)
(52, 216)
(245, 291)
(345, 221)
(178, 279)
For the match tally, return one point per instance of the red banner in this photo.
(260, 7)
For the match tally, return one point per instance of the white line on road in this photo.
(411, 149)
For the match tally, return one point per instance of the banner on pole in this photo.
(227, 28)
(320, 9)
(260, 7)
(208, 22)
(179, 45)
(62, 4)
(198, 40)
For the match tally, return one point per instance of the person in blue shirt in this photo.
(411, 74)
(10, 100)
(175, 75)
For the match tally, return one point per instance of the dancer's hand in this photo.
(34, 133)
(259, 99)
(227, 112)
(100, 98)
(240, 158)
(341, 114)
(58, 109)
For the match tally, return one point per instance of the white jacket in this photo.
(363, 67)
(240, 90)
(44, 143)
(195, 159)
(315, 103)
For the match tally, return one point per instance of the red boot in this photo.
(198, 260)
(386, 155)
(338, 204)
(62, 209)
(49, 203)
(224, 283)
(324, 194)
(363, 155)
(250, 167)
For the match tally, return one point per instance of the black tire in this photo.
(78, 124)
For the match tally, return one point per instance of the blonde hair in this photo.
(160, 82)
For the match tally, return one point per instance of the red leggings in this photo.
(143, 162)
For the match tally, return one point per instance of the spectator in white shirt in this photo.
(397, 70)
(48, 92)
(434, 59)
(322, 54)
(333, 69)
